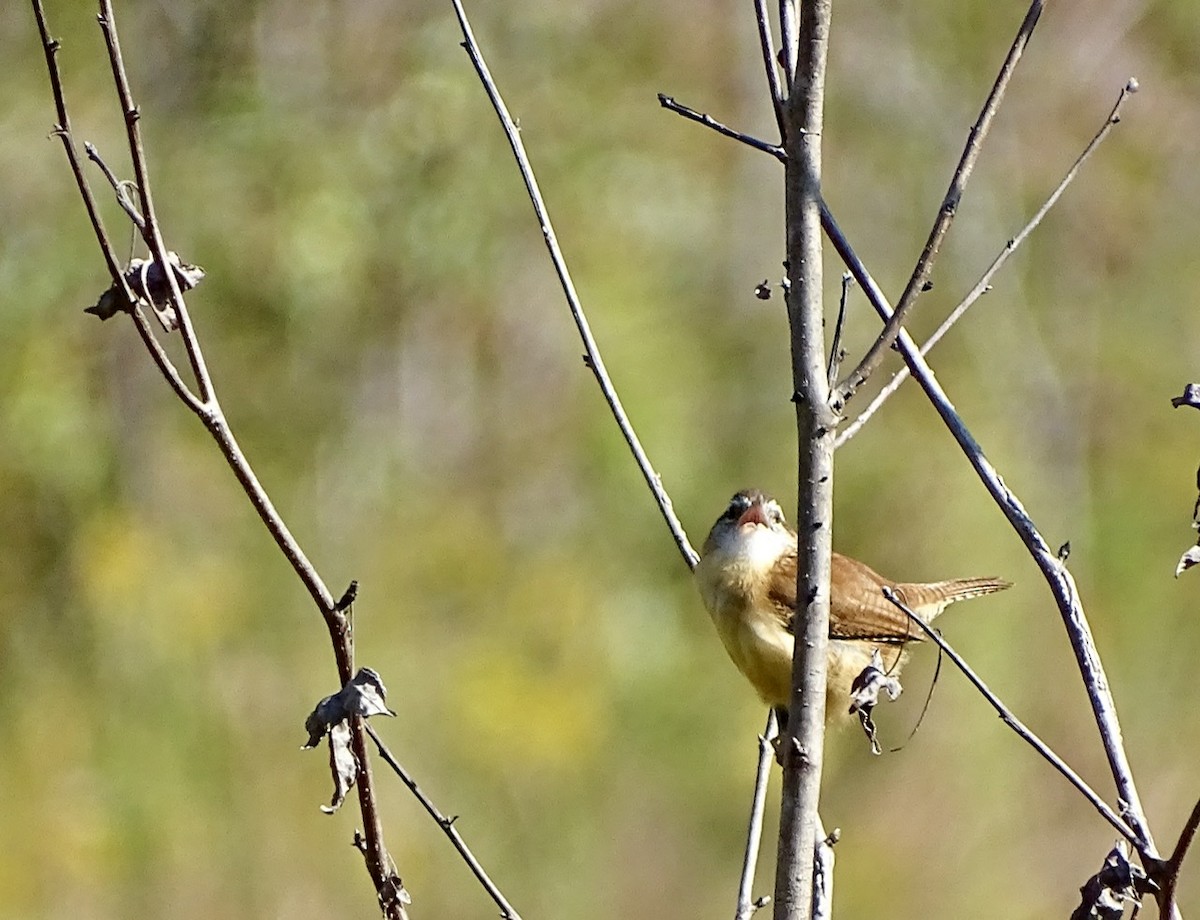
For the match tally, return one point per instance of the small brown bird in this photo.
(747, 578)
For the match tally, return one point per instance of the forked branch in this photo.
(945, 216)
(207, 408)
(984, 284)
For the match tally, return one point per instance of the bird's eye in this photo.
(736, 507)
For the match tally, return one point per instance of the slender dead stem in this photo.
(1058, 578)
(62, 130)
(747, 904)
(206, 407)
(447, 825)
(1010, 719)
(152, 231)
(767, 44)
(949, 207)
(983, 285)
(708, 121)
(592, 355)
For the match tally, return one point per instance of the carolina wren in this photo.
(747, 578)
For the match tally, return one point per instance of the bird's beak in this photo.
(755, 514)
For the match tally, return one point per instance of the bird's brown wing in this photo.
(857, 609)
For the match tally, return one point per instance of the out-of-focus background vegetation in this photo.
(392, 349)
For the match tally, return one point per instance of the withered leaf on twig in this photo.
(1105, 895)
(864, 695)
(364, 695)
(149, 284)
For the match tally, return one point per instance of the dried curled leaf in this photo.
(1119, 882)
(1187, 560)
(864, 695)
(342, 764)
(149, 284)
(364, 695)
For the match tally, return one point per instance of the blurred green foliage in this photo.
(391, 346)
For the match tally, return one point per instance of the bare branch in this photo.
(949, 207)
(767, 43)
(806, 44)
(151, 232)
(1169, 877)
(708, 121)
(747, 904)
(984, 284)
(62, 130)
(592, 357)
(1010, 719)
(447, 825)
(1059, 580)
(208, 410)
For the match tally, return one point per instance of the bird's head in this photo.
(752, 528)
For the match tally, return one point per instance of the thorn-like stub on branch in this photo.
(347, 598)
(1064, 551)
(762, 290)
(834, 837)
(761, 902)
(364, 695)
(864, 695)
(927, 285)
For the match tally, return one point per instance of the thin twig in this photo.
(1058, 578)
(836, 352)
(984, 284)
(121, 189)
(767, 43)
(592, 357)
(152, 232)
(62, 130)
(789, 52)
(1170, 876)
(447, 825)
(747, 904)
(667, 102)
(1010, 719)
(945, 216)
